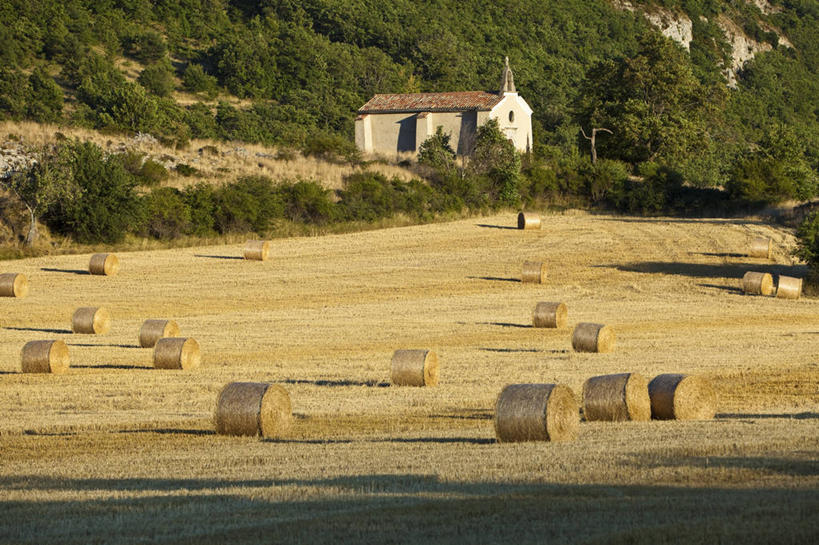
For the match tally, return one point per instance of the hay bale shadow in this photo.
(719, 254)
(110, 345)
(219, 256)
(706, 270)
(723, 288)
(509, 350)
(41, 330)
(487, 226)
(505, 324)
(494, 278)
(171, 431)
(747, 416)
(111, 366)
(336, 383)
(67, 271)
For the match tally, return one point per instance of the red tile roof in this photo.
(431, 102)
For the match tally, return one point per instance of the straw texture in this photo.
(536, 412)
(616, 398)
(681, 397)
(44, 357)
(414, 368)
(533, 271)
(13, 285)
(253, 408)
(550, 315)
(176, 353)
(757, 283)
(588, 337)
(153, 330)
(527, 220)
(761, 247)
(91, 320)
(104, 264)
(789, 287)
(257, 250)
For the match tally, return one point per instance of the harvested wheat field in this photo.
(116, 451)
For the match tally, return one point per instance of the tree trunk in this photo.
(592, 140)
(31, 237)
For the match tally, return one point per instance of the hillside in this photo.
(121, 451)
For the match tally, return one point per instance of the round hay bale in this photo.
(104, 264)
(536, 412)
(257, 250)
(681, 397)
(414, 368)
(91, 320)
(761, 247)
(757, 283)
(176, 353)
(45, 357)
(533, 271)
(789, 287)
(13, 285)
(153, 330)
(616, 398)
(550, 315)
(588, 337)
(528, 220)
(253, 408)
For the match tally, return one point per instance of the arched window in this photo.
(511, 116)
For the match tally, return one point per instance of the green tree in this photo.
(43, 184)
(45, 103)
(436, 152)
(158, 78)
(652, 101)
(496, 158)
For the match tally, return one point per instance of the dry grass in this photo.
(231, 160)
(116, 451)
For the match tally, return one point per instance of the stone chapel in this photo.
(397, 124)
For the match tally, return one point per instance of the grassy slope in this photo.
(114, 451)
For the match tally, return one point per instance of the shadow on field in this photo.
(505, 324)
(783, 466)
(494, 278)
(508, 350)
(487, 226)
(714, 221)
(40, 329)
(707, 270)
(333, 383)
(719, 254)
(400, 508)
(791, 416)
(219, 256)
(111, 366)
(109, 345)
(69, 271)
(171, 431)
(723, 288)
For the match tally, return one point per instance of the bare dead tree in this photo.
(592, 138)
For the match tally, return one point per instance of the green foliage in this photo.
(249, 204)
(147, 46)
(45, 98)
(331, 147)
(186, 170)
(305, 202)
(151, 173)
(167, 215)
(103, 205)
(436, 152)
(158, 78)
(496, 159)
(201, 200)
(195, 80)
(807, 244)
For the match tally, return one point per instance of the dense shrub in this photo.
(201, 201)
(306, 202)
(105, 205)
(195, 80)
(167, 215)
(158, 78)
(249, 204)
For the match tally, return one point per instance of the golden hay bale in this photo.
(536, 412)
(789, 287)
(588, 337)
(104, 264)
(414, 368)
(533, 271)
(761, 247)
(176, 353)
(528, 221)
(253, 408)
(45, 357)
(550, 315)
(93, 320)
(757, 283)
(13, 285)
(257, 250)
(681, 397)
(153, 330)
(616, 398)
